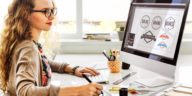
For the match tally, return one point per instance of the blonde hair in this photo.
(17, 28)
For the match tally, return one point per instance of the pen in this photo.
(94, 66)
(124, 78)
(85, 76)
(104, 52)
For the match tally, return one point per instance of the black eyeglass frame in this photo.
(47, 12)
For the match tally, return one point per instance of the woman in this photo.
(24, 69)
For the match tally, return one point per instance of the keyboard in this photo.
(101, 78)
(154, 82)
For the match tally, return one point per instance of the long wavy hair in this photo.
(17, 28)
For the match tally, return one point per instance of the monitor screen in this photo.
(153, 32)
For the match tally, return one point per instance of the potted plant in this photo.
(121, 31)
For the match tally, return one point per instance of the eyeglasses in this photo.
(48, 12)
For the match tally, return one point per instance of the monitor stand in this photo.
(154, 82)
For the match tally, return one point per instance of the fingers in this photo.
(87, 70)
(95, 71)
(91, 71)
(98, 86)
(98, 92)
(92, 89)
(97, 89)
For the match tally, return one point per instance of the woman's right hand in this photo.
(92, 89)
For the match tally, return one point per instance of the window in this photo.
(3, 10)
(66, 16)
(188, 25)
(104, 16)
(188, 28)
(92, 16)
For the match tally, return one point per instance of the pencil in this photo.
(85, 76)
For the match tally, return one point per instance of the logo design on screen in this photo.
(164, 36)
(131, 38)
(148, 37)
(145, 20)
(156, 22)
(169, 23)
(162, 45)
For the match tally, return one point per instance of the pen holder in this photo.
(114, 66)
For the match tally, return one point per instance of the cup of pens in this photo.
(114, 63)
(114, 66)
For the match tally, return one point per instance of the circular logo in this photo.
(145, 20)
(156, 22)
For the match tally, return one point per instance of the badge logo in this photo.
(162, 45)
(169, 23)
(156, 22)
(148, 37)
(164, 36)
(145, 21)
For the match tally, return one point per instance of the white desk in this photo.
(183, 70)
(92, 59)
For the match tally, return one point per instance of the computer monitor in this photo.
(153, 34)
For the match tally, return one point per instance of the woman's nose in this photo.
(51, 17)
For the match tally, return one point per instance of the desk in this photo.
(183, 70)
(92, 59)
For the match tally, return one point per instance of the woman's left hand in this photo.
(81, 70)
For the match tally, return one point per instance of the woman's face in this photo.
(39, 20)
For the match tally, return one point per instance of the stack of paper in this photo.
(97, 36)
